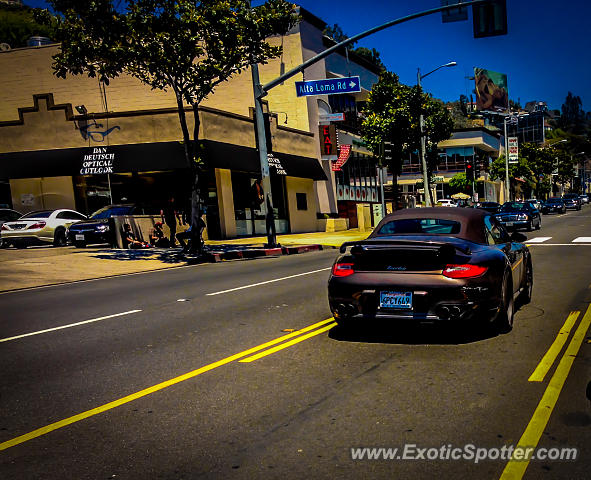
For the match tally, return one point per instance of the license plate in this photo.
(508, 224)
(396, 300)
(79, 237)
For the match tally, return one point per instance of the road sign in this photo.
(331, 117)
(328, 86)
(512, 144)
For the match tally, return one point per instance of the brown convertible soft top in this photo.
(470, 219)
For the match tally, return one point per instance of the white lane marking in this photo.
(69, 325)
(582, 240)
(538, 240)
(268, 281)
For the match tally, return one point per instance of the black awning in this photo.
(139, 157)
(246, 159)
(147, 157)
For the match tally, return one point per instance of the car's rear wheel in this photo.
(526, 293)
(504, 319)
(59, 238)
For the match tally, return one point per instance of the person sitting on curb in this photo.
(157, 237)
(129, 239)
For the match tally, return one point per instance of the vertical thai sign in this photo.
(328, 140)
(513, 147)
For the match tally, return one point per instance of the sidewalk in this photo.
(33, 267)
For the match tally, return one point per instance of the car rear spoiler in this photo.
(427, 246)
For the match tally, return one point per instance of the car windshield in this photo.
(408, 226)
(39, 214)
(514, 207)
(571, 195)
(108, 212)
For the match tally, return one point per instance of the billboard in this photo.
(491, 90)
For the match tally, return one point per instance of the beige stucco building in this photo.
(51, 128)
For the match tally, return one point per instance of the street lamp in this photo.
(426, 188)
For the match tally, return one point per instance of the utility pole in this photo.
(267, 205)
(426, 187)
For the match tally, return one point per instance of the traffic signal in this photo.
(490, 18)
(476, 169)
(470, 170)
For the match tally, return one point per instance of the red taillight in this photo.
(463, 271)
(37, 225)
(342, 269)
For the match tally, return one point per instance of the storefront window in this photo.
(247, 209)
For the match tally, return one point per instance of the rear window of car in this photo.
(554, 200)
(571, 195)
(109, 212)
(514, 206)
(434, 226)
(39, 214)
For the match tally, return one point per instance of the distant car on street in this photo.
(554, 205)
(584, 198)
(432, 265)
(43, 226)
(446, 202)
(572, 200)
(515, 215)
(492, 207)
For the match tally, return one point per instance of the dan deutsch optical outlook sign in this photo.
(98, 160)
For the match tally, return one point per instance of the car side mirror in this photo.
(518, 237)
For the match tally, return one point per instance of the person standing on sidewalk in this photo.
(169, 216)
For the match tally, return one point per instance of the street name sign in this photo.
(328, 86)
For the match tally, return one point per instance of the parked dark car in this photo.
(491, 207)
(572, 200)
(99, 228)
(515, 215)
(432, 265)
(553, 204)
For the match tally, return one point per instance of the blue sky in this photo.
(545, 55)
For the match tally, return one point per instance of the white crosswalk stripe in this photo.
(538, 240)
(582, 240)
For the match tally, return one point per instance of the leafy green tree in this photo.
(17, 25)
(573, 117)
(392, 115)
(186, 46)
(540, 162)
(372, 56)
(336, 33)
(520, 169)
(459, 183)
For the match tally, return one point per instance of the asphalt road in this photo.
(76, 402)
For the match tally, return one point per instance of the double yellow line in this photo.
(515, 469)
(160, 386)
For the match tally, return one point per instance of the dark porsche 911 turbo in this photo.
(432, 265)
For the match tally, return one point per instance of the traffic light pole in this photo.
(261, 91)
